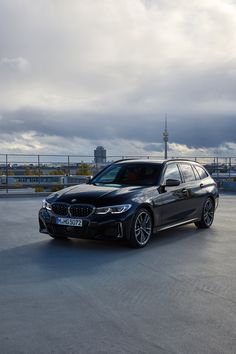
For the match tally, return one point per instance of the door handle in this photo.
(201, 185)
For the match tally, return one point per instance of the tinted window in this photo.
(187, 172)
(172, 172)
(134, 174)
(110, 174)
(202, 173)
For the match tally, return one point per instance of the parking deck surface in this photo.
(177, 295)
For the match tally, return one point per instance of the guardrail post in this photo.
(6, 173)
(68, 165)
(39, 172)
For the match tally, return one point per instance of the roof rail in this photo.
(122, 160)
(180, 159)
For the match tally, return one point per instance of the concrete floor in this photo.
(177, 295)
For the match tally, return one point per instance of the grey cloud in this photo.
(103, 72)
(198, 132)
(15, 64)
(153, 147)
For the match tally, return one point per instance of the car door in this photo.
(192, 190)
(171, 199)
(205, 185)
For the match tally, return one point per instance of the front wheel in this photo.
(207, 217)
(141, 229)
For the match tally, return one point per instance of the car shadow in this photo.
(51, 259)
(173, 235)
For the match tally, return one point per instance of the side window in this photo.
(172, 172)
(187, 172)
(202, 173)
(197, 176)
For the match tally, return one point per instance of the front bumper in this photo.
(94, 227)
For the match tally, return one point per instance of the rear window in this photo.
(202, 173)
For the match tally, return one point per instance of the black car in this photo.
(132, 199)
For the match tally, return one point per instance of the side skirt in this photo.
(169, 226)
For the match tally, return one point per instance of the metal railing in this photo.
(22, 172)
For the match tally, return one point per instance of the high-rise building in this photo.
(100, 155)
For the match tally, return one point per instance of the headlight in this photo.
(114, 209)
(46, 205)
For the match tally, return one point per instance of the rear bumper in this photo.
(112, 228)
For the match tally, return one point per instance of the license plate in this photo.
(69, 222)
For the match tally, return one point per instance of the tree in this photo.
(38, 173)
(84, 170)
(28, 172)
(56, 172)
(31, 172)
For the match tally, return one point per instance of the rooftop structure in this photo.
(100, 155)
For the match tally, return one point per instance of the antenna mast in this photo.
(165, 137)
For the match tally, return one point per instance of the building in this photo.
(100, 155)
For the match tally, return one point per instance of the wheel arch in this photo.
(148, 208)
(212, 198)
(132, 237)
(140, 206)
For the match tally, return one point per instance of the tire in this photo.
(207, 217)
(141, 229)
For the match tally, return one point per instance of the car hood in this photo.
(98, 195)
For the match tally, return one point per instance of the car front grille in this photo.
(60, 209)
(80, 210)
(75, 210)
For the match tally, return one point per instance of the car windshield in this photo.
(133, 174)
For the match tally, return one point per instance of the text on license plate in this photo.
(69, 222)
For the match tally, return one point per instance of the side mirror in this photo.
(172, 182)
(89, 180)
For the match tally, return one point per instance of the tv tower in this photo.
(165, 137)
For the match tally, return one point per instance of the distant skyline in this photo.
(78, 74)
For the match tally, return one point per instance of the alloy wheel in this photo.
(208, 213)
(143, 227)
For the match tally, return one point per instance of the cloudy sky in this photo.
(75, 74)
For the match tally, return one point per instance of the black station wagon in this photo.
(132, 199)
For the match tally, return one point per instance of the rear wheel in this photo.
(141, 229)
(207, 217)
